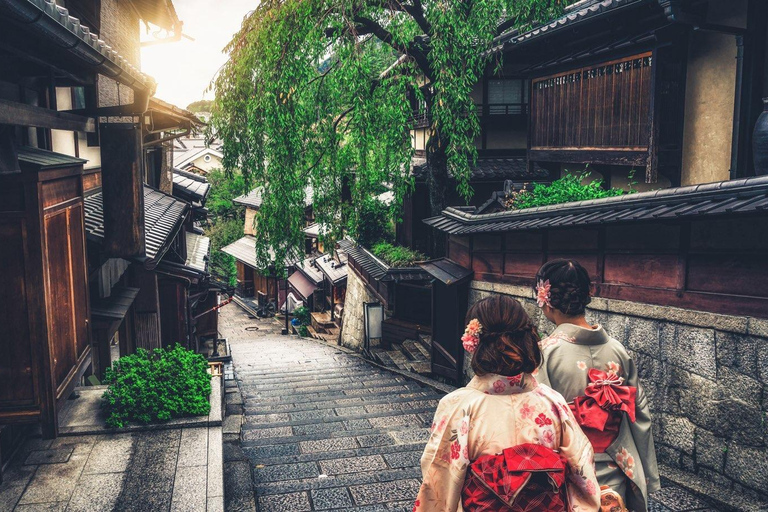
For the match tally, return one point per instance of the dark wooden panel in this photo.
(522, 264)
(735, 274)
(524, 241)
(487, 262)
(459, 253)
(91, 180)
(59, 191)
(649, 270)
(79, 277)
(173, 313)
(486, 243)
(730, 235)
(588, 261)
(573, 239)
(643, 237)
(12, 197)
(16, 375)
(61, 321)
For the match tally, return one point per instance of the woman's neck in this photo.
(579, 321)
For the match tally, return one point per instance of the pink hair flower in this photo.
(471, 337)
(542, 293)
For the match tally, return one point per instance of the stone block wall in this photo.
(706, 377)
(353, 332)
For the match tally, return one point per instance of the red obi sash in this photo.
(524, 478)
(599, 410)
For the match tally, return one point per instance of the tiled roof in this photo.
(447, 271)
(47, 159)
(302, 285)
(308, 268)
(197, 251)
(243, 250)
(116, 305)
(491, 169)
(190, 186)
(335, 270)
(253, 198)
(53, 23)
(163, 215)
(724, 198)
(377, 269)
(578, 13)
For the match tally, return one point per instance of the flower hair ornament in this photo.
(542, 293)
(471, 337)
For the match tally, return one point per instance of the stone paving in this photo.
(162, 470)
(325, 430)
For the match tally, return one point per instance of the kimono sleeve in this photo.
(642, 431)
(445, 459)
(583, 489)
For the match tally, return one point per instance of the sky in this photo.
(184, 69)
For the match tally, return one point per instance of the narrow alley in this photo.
(326, 430)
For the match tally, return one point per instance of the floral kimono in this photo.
(599, 380)
(493, 413)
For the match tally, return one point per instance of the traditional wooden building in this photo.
(86, 230)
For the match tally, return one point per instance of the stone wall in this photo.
(705, 376)
(353, 321)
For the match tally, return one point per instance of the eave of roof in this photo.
(197, 251)
(491, 169)
(576, 14)
(734, 197)
(53, 23)
(196, 153)
(169, 109)
(190, 186)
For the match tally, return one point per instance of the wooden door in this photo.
(66, 294)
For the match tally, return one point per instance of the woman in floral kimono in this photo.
(504, 430)
(599, 380)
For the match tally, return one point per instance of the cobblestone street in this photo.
(325, 430)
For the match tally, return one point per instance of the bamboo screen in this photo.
(597, 107)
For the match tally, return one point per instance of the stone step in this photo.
(388, 485)
(426, 341)
(422, 367)
(396, 455)
(270, 409)
(415, 351)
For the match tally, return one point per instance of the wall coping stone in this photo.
(728, 323)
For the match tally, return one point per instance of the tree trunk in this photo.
(437, 183)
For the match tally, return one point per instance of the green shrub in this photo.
(567, 189)
(370, 222)
(158, 386)
(396, 256)
(302, 315)
(303, 331)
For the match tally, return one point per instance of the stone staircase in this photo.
(410, 355)
(322, 328)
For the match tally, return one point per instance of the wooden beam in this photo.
(20, 114)
(122, 177)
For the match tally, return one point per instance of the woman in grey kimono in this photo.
(598, 378)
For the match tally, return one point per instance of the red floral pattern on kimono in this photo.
(493, 413)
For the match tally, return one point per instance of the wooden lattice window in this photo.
(606, 106)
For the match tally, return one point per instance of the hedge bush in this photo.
(567, 189)
(155, 386)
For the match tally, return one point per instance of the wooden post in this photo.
(122, 177)
(146, 308)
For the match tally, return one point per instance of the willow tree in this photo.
(316, 93)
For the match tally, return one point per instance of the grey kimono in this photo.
(569, 353)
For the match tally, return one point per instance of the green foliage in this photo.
(396, 256)
(370, 222)
(567, 189)
(222, 233)
(303, 331)
(225, 224)
(310, 96)
(200, 106)
(302, 315)
(149, 387)
(225, 186)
